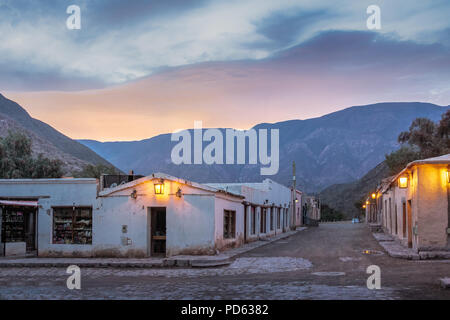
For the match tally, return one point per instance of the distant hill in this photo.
(342, 197)
(337, 148)
(46, 140)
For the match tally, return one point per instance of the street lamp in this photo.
(159, 187)
(403, 182)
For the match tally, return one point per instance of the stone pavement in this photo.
(396, 250)
(445, 283)
(182, 261)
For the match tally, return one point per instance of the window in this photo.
(229, 224)
(279, 218)
(13, 225)
(271, 219)
(263, 220)
(253, 226)
(72, 225)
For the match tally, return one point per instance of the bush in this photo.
(95, 171)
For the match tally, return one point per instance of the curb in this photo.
(226, 258)
(396, 250)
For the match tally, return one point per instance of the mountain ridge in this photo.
(46, 139)
(339, 147)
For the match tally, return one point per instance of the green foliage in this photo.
(95, 171)
(397, 160)
(17, 162)
(330, 214)
(46, 168)
(425, 139)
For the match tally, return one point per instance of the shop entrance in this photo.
(18, 225)
(157, 231)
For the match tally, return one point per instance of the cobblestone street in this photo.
(327, 262)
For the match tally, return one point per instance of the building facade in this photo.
(267, 207)
(157, 215)
(413, 206)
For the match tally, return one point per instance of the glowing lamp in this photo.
(403, 182)
(448, 176)
(364, 206)
(367, 202)
(374, 195)
(159, 188)
(296, 200)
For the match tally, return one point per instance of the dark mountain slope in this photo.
(342, 197)
(10, 109)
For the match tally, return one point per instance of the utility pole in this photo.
(294, 197)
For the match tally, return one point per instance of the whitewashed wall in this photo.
(54, 193)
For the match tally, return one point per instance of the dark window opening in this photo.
(229, 224)
(278, 218)
(253, 220)
(271, 219)
(263, 226)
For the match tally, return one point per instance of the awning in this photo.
(19, 203)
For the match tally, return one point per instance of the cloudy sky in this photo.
(139, 68)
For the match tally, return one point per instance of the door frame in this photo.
(410, 235)
(150, 231)
(245, 222)
(404, 219)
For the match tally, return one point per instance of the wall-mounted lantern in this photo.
(179, 193)
(296, 200)
(133, 195)
(364, 206)
(367, 202)
(374, 195)
(159, 187)
(403, 182)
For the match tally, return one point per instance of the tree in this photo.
(425, 139)
(444, 129)
(95, 171)
(423, 134)
(46, 168)
(330, 214)
(397, 160)
(17, 162)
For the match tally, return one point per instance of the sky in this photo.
(140, 68)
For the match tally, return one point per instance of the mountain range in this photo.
(339, 155)
(45, 139)
(337, 148)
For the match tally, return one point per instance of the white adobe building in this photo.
(157, 215)
(413, 206)
(267, 207)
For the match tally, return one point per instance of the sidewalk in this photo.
(182, 261)
(396, 250)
